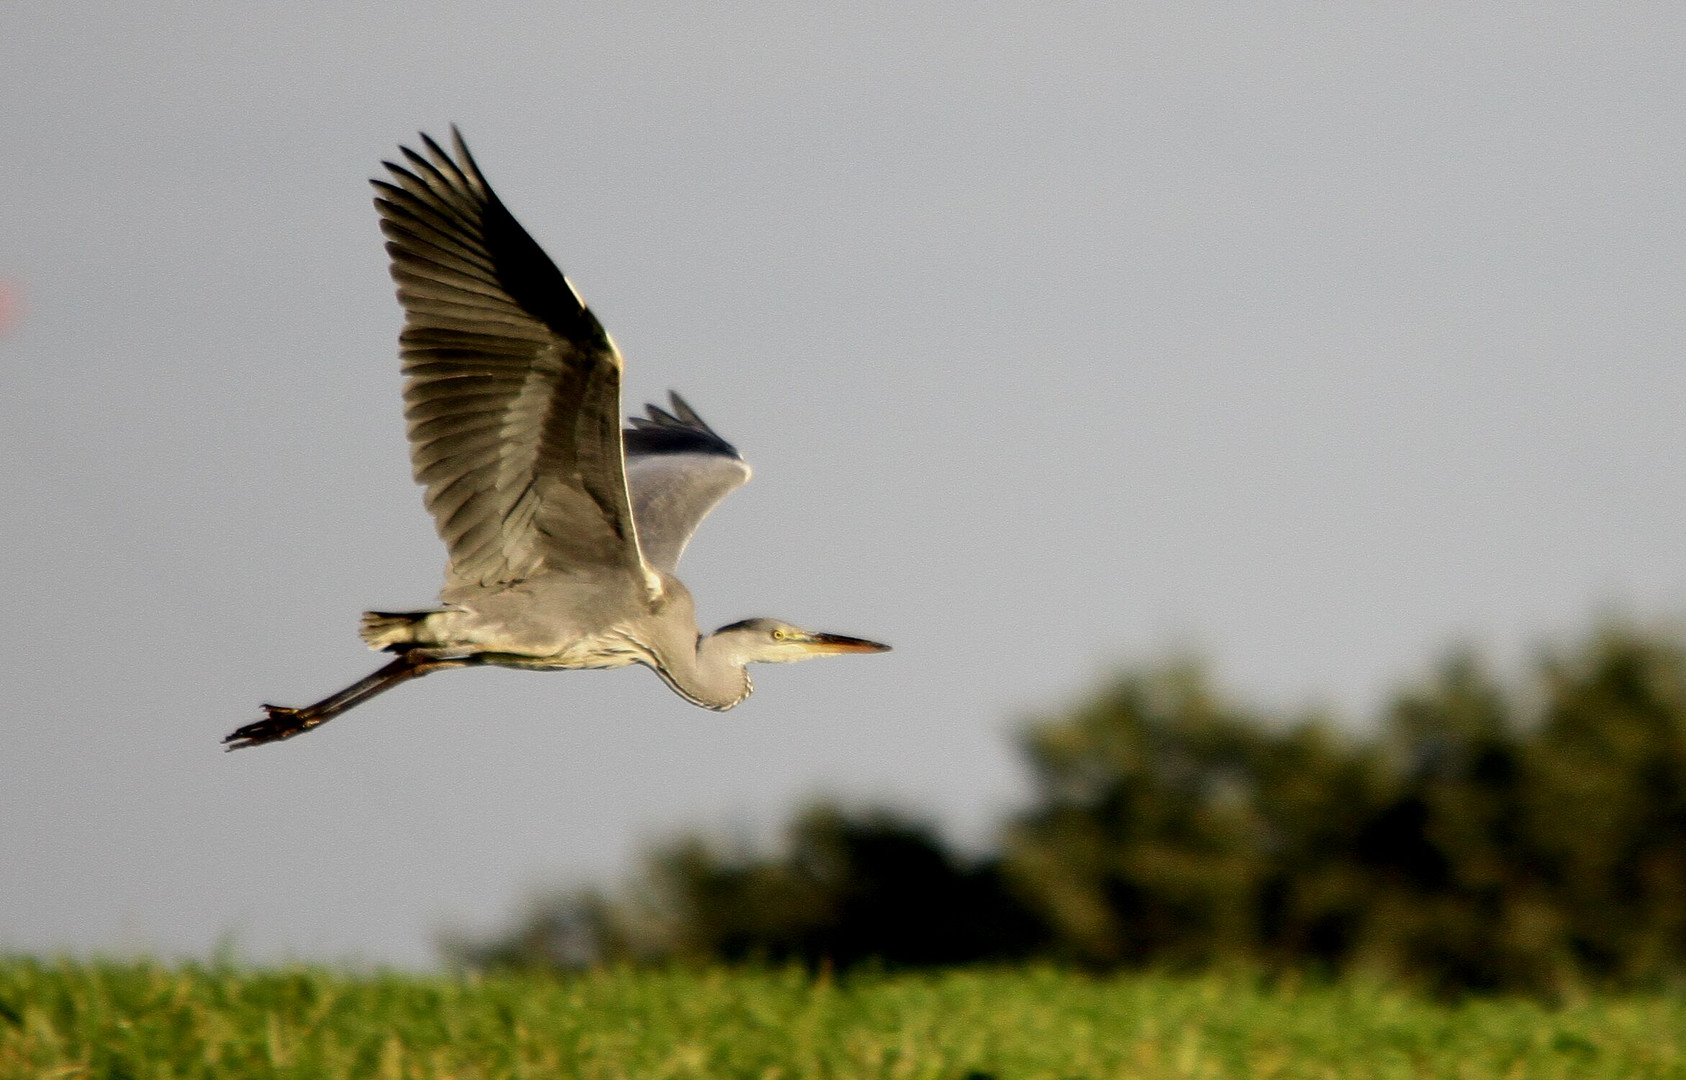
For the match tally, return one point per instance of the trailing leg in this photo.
(282, 722)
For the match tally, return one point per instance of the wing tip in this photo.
(682, 430)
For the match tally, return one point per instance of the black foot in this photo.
(281, 723)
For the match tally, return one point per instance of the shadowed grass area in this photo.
(139, 1020)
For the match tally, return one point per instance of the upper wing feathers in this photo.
(678, 469)
(512, 387)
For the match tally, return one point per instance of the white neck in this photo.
(711, 675)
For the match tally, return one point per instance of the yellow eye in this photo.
(779, 635)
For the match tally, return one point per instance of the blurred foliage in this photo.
(845, 889)
(1479, 838)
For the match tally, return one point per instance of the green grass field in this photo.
(139, 1021)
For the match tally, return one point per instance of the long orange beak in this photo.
(837, 643)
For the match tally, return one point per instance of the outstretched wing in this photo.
(678, 469)
(512, 386)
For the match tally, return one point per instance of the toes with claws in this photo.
(280, 723)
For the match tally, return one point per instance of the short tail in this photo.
(394, 631)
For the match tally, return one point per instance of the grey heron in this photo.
(563, 531)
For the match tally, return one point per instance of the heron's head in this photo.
(769, 641)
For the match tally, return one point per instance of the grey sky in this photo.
(1315, 340)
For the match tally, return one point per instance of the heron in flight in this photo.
(564, 531)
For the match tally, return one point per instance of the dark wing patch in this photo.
(681, 431)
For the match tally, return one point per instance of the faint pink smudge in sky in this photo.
(11, 304)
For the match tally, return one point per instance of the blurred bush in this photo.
(1528, 838)
(844, 889)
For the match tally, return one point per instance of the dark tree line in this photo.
(1481, 837)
